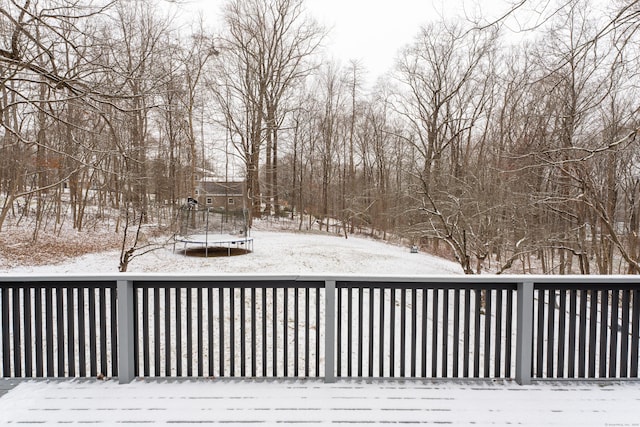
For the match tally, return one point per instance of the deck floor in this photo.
(311, 402)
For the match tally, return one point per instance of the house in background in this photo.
(227, 195)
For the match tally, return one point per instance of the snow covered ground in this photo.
(275, 252)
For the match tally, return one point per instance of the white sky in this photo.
(373, 31)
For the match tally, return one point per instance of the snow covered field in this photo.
(275, 252)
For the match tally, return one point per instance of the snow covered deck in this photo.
(295, 402)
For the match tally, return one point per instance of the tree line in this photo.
(508, 156)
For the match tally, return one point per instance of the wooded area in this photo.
(507, 156)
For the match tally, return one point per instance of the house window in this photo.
(230, 201)
(209, 200)
(197, 192)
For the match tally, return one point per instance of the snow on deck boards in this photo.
(303, 402)
(6, 384)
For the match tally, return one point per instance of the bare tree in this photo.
(442, 104)
(264, 54)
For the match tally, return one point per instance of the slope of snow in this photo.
(274, 253)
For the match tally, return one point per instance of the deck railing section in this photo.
(590, 331)
(435, 330)
(220, 329)
(58, 329)
(466, 327)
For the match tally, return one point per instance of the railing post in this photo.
(329, 330)
(126, 335)
(524, 333)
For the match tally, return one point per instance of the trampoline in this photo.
(212, 241)
(212, 231)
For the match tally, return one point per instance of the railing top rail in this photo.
(449, 279)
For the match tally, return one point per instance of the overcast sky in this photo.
(373, 31)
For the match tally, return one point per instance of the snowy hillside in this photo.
(274, 253)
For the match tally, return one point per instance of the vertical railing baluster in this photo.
(424, 329)
(360, 327)
(624, 334)
(189, 330)
(551, 310)
(200, 330)
(487, 332)
(317, 362)
(467, 333)
(604, 329)
(635, 333)
(156, 331)
(476, 333)
(243, 336)
(167, 331)
(571, 351)
(49, 331)
(93, 333)
(540, 342)
(435, 316)
(179, 355)
(264, 331)
(382, 327)
(561, 333)
(211, 348)
(113, 304)
(392, 333)
(28, 331)
(498, 335)
(614, 327)
(445, 333)
(136, 329)
(254, 343)
(222, 356)
(403, 330)
(296, 325)
(145, 331)
(349, 331)
(17, 347)
(414, 332)
(593, 324)
(102, 294)
(582, 335)
(371, 331)
(82, 347)
(285, 334)
(274, 325)
(306, 331)
(508, 334)
(456, 332)
(232, 329)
